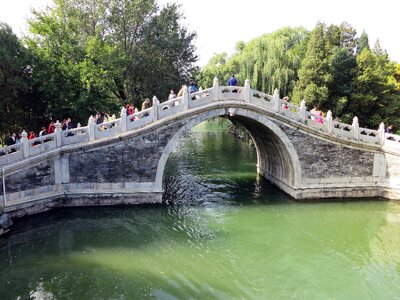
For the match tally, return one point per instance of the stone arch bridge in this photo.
(122, 161)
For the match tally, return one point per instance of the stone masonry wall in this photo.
(323, 159)
(36, 176)
(133, 160)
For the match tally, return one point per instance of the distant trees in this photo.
(330, 67)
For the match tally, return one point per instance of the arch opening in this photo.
(277, 160)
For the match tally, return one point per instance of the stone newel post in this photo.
(329, 121)
(185, 98)
(381, 133)
(25, 144)
(247, 91)
(277, 100)
(216, 89)
(303, 110)
(155, 108)
(356, 128)
(91, 128)
(123, 119)
(58, 130)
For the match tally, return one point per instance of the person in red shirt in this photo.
(32, 135)
(51, 128)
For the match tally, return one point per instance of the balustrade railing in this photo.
(369, 135)
(74, 136)
(140, 119)
(343, 130)
(42, 144)
(232, 93)
(187, 101)
(290, 110)
(316, 121)
(11, 154)
(201, 98)
(262, 99)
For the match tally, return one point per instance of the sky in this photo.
(220, 24)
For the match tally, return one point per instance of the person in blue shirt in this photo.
(232, 81)
(193, 88)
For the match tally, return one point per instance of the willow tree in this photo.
(270, 61)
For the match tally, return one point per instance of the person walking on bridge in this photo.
(232, 81)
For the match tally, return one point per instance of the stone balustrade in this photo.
(28, 148)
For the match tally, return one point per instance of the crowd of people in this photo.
(15, 138)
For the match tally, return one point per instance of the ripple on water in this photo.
(225, 233)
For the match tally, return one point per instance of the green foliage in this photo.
(95, 55)
(363, 42)
(83, 56)
(331, 68)
(328, 68)
(270, 61)
(314, 76)
(14, 76)
(375, 97)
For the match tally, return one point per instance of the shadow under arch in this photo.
(277, 159)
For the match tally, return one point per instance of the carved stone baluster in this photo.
(155, 108)
(91, 127)
(124, 120)
(277, 101)
(381, 133)
(247, 91)
(216, 89)
(329, 121)
(356, 128)
(186, 98)
(25, 144)
(58, 130)
(303, 110)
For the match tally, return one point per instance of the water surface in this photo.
(225, 233)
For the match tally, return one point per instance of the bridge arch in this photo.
(277, 159)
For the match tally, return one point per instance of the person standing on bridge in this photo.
(146, 104)
(232, 81)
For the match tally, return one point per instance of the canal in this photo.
(222, 233)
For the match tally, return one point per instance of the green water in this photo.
(224, 234)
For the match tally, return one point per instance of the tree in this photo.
(362, 42)
(99, 54)
(342, 70)
(314, 76)
(270, 61)
(12, 81)
(375, 98)
(328, 69)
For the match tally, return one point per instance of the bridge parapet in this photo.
(170, 108)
